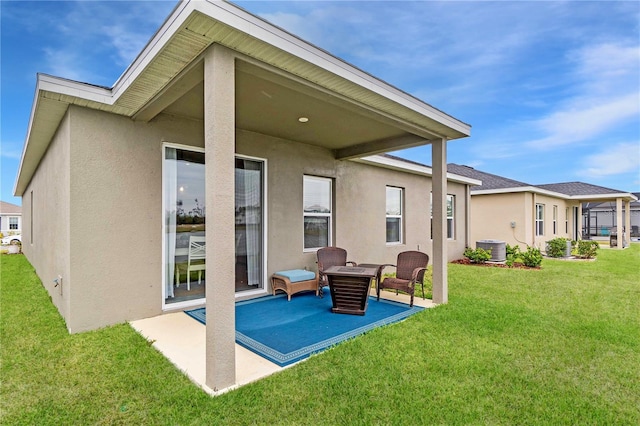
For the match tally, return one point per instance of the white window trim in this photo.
(539, 220)
(399, 216)
(329, 215)
(555, 220)
(453, 217)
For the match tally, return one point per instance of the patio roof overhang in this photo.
(279, 78)
(624, 196)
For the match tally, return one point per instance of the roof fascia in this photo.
(518, 189)
(394, 164)
(627, 196)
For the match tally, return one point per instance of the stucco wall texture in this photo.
(103, 174)
(493, 214)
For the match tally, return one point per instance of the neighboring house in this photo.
(600, 217)
(114, 182)
(10, 218)
(529, 215)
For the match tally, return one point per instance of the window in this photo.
(539, 219)
(317, 210)
(451, 201)
(566, 220)
(13, 223)
(555, 220)
(394, 215)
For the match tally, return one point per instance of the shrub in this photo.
(478, 255)
(513, 250)
(532, 257)
(587, 249)
(513, 254)
(557, 247)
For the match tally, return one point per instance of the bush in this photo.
(478, 255)
(513, 254)
(532, 257)
(587, 249)
(557, 247)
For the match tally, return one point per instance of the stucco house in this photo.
(10, 218)
(523, 214)
(223, 116)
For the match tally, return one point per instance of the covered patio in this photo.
(182, 340)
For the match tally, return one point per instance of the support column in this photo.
(619, 222)
(439, 206)
(578, 225)
(219, 143)
(467, 216)
(627, 219)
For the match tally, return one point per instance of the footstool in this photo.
(294, 281)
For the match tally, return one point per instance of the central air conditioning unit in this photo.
(498, 249)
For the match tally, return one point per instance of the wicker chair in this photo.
(410, 270)
(328, 257)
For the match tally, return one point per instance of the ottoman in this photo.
(294, 281)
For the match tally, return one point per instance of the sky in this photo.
(550, 88)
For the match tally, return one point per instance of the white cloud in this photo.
(606, 94)
(585, 119)
(620, 159)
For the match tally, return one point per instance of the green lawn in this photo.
(560, 345)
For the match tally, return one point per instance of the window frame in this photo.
(14, 226)
(555, 220)
(452, 198)
(539, 219)
(328, 215)
(452, 218)
(395, 216)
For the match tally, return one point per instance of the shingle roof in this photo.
(8, 208)
(578, 188)
(489, 181)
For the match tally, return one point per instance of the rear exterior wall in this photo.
(97, 203)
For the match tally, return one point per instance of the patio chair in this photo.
(196, 259)
(410, 269)
(328, 257)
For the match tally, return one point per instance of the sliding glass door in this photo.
(249, 224)
(185, 229)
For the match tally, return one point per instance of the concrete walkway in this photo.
(182, 340)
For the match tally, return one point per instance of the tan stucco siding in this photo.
(492, 215)
(116, 214)
(45, 204)
(549, 202)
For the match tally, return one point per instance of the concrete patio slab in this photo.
(181, 339)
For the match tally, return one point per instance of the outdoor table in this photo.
(349, 286)
(379, 268)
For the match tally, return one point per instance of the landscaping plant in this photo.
(478, 255)
(532, 257)
(587, 249)
(557, 247)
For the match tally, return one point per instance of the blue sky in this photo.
(551, 89)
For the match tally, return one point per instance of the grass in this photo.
(559, 345)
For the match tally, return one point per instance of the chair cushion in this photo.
(296, 275)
